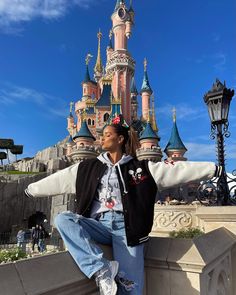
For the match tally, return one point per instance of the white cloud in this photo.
(206, 152)
(183, 111)
(12, 94)
(15, 12)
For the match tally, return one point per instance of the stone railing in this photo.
(202, 266)
(170, 217)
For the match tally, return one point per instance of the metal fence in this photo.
(9, 241)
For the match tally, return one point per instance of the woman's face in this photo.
(111, 141)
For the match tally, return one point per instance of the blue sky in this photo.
(43, 44)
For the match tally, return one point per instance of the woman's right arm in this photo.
(59, 183)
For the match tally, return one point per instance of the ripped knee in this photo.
(124, 282)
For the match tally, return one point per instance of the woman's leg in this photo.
(131, 261)
(79, 234)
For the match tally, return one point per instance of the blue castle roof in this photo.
(84, 131)
(148, 132)
(133, 88)
(105, 99)
(146, 86)
(87, 75)
(175, 141)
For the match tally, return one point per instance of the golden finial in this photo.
(88, 58)
(145, 64)
(71, 106)
(174, 114)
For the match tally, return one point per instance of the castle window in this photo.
(93, 122)
(89, 121)
(105, 117)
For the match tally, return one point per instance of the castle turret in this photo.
(70, 121)
(134, 101)
(70, 143)
(175, 148)
(98, 69)
(121, 65)
(149, 149)
(146, 93)
(84, 144)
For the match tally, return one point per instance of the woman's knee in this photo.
(61, 218)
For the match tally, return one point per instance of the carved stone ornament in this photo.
(172, 220)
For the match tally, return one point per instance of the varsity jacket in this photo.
(138, 181)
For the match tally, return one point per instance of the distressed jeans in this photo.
(81, 235)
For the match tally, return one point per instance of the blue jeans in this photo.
(80, 235)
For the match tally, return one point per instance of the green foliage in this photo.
(3, 155)
(6, 143)
(17, 150)
(11, 255)
(20, 172)
(189, 233)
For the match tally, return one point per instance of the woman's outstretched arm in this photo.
(170, 174)
(61, 182)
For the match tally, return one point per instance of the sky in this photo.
(43, 45)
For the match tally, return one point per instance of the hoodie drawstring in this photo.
(122, 179)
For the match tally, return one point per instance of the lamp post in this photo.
(218, 102)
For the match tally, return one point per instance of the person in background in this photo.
(41, 241)
(21, 243)
(35, 237)
(115, 206)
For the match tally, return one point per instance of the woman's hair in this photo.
(131, 142)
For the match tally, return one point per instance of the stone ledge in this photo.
(225, 214)
(167, 263)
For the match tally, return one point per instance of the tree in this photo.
(3, 156)
(6, 144)
(17, 150)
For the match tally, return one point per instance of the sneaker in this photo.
(105, 279)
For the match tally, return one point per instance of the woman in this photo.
(115, 206)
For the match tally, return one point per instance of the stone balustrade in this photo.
(203, 266)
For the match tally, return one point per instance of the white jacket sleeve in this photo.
(61, 182)
(169, 174)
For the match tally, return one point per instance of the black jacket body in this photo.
(138, 200)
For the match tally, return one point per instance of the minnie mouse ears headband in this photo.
(119, 120)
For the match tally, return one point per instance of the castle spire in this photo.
(146, 86)
(154, 123)
(174, 114)
(175, 147)
(98, 69)
(87, 75)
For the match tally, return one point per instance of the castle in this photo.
(113, 92)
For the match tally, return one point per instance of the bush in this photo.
(189, 233)
(11, 255)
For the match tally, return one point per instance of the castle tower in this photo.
(98, 69)
(70, 121)
(70, 143)
(134, 101)
(146, 93)
(175, 148)
(121, 65)
(149, 149)
(84, 144)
